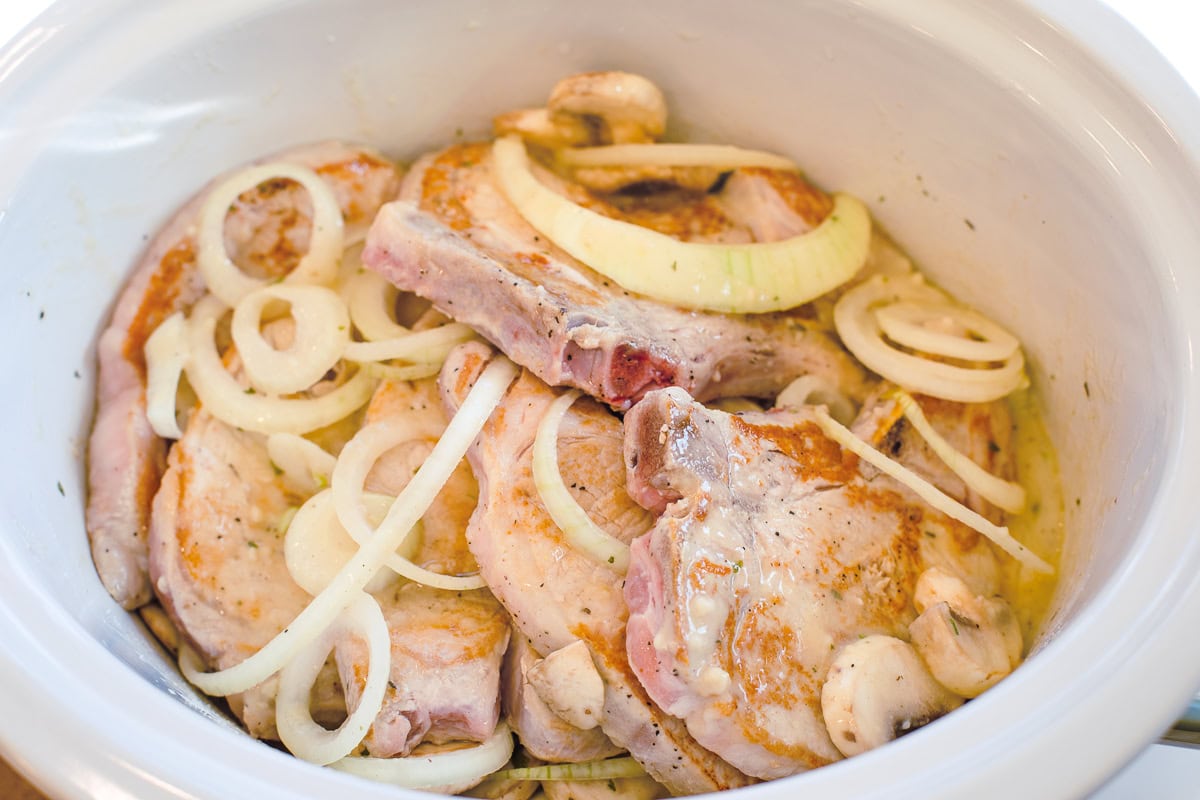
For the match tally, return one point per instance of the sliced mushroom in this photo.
(877, 690)
(543, 734)
(969, 642)
(539, 126)
(567, 682)
(615, 179)
(631, 107)
(592, 108)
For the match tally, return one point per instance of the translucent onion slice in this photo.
(318, 266)
(166, 355)
(603, 769)
(952, 332)
(436, 770)
(371, 300)
(316, 545)
(720, 156)
(410, 506)
(811, 390)
(857, 325)
(350, 474)
(297, 729)
(742, 278)
(306, 467)
(400, 372)
(580, 531)
(1005, 494)
(322, 331)
(930, 493)
(428, 347)
(226, 400)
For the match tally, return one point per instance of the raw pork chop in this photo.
(773, 551)
(454, 238)
(267, 232)
(555, 594)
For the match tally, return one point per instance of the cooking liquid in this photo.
(1040, 526)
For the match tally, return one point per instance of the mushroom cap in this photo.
(877, 690)
(969, 642)
(632, 106)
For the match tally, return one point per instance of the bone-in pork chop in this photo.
(555, 594)
(266, 232)
(772, 552)
(455, 239)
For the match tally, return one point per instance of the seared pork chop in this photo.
(216, 558)
(555, 594)
(266, 232)
(447, 647)
(218, 567)
(455, 239)
(773, 551)
(980, 431)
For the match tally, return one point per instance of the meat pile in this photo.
(761, 552)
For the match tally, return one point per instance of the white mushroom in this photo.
(877, 690)
(631, 108)
(592, 108)
(969, 642)
(614, 179)
(539, 126)
(568, 683)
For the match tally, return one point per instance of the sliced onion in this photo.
(306, 467)
(400, 372)
(166, 354)
(409, 507)
(297, 729)
(740, 278)
(580, 531)
(812, 390)
(318, 266)
(316, 545)
(720, 156)
(226, 400)
(322, 331)
(1005, 494)
(964, 334)
(371, 300)
(930, 493)
(350, 474)
(857, 325)
(429, 346)
(453, 768)
(602, 769)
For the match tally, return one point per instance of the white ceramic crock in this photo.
(1069, 146)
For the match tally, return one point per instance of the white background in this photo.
(1162, 772)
